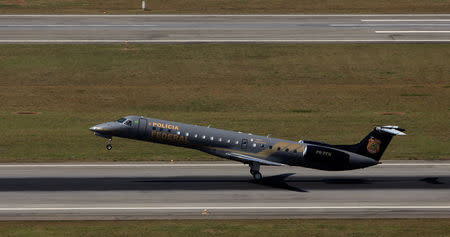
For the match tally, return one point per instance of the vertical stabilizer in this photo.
(375, 143)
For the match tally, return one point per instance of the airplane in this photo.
(252, 149)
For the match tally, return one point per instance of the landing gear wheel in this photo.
(108, 145)
(257, 176)
(254, 170)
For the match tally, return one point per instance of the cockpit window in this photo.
(121, 120)
(128, 123)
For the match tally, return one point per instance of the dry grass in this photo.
(221, 6)
(332, 93)
(296, 227)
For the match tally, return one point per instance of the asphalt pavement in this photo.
(400, 189)
(428, 28)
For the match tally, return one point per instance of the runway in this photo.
(404, 189)
(224, 28)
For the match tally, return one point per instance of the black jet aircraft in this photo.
(252, 149)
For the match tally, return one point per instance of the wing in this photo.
(250, 159)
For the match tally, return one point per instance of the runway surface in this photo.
(405, 189)
(224, 28)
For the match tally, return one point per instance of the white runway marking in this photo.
(414, 164)
(77, 25)
(406, 20)
(231, 15)
(13, 41)
(411, 31)
(383, 25)
(214, 208)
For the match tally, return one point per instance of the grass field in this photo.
(331, 93)
(221, 6)
(296, 227)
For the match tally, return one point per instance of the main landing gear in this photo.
(254, 170)
(109, 146)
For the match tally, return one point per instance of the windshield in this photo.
(128, 123)
(121, 120)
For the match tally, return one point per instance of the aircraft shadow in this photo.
(277, 182)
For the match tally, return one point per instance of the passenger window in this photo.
(262, 145)
(160, 129)
(254, 144)
(212, 138)
(295, 151)
(237, 142)
(187, 134)
(204, 137)
(278, 148)
(270, 147)
(196, 135)
(287, 150)
(228, 141)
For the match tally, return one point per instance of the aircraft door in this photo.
(244, 144)
(141, 128)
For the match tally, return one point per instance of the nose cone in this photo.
(95, 128)
(100, 129)
(108, 129)
(104, 127)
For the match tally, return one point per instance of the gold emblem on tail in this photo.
(373, 146)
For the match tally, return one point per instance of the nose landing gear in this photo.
(109, 146)
(254, 170)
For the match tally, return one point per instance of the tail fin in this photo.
(375, 143)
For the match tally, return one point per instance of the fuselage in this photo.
(222, 143)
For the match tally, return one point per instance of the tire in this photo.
(108, 147)
(257, 176)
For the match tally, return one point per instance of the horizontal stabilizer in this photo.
(394, 130)
(251, 159)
